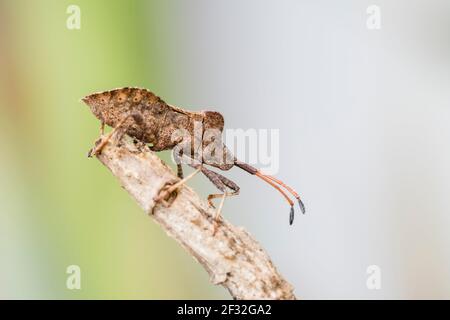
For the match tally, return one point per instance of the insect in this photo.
(144, 116)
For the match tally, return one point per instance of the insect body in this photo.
(144, 116)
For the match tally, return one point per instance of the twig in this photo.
(231, 256)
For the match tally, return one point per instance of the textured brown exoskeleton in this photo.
(144, 116)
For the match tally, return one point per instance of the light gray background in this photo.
(364, 128)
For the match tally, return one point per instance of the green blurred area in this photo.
(57, 207)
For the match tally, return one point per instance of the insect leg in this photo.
(102, 128)
(167, 190)
(177, 157)
(214, 178)
(119, 130)
(222, 183)
(179, 171)
(230, 184)
(101, 143)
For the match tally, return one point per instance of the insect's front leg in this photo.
(180, 171)
(101, 143)
(169, 189)
(102, 128)
(117, 132)
(177, 156)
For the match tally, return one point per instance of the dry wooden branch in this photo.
(231, 256)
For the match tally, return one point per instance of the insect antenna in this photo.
(274, 182)
(292, 191)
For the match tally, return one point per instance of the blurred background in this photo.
(363, 118)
